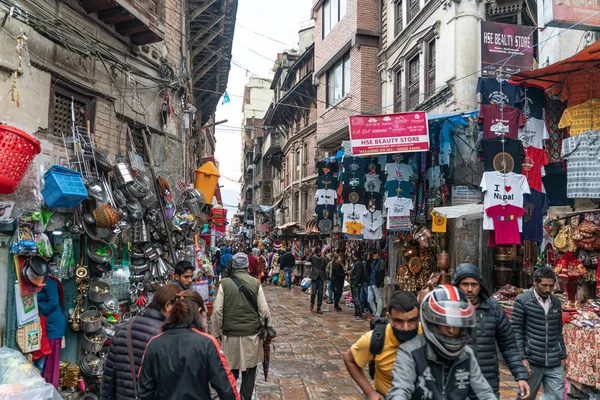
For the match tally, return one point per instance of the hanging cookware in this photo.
(91, 321)
(99, 251)
(98, 270)
(194, 201)
(110, 303)
(443, 260)
(93, 342)
(135, 209)
(98, 291)
(120, 198)
(138, 266)
(140, 232)
(102, 161)
(91, 365)
(35, 271)
(123, 175)
(149, 200)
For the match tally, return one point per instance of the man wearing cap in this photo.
(239, 312)
(492, 328)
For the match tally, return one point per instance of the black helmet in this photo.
(446, 305)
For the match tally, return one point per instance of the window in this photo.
(413, 82)
(338, 80)
(305, 202)
(138, 141)
(399, 16)
(333, 12)
(430, 83)
(305, 161)
(414, 6)
(297, 175)
(297, 207)
(59, 118)
(398, 91)
(306, 117)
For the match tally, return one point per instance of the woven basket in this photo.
(106, 216)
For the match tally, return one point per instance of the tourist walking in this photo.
(287, 261)
(376, 280)
(338, 278)
(317, 277)
(357, 277)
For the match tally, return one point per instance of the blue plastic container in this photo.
(63, 187)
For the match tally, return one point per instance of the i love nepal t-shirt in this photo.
(499, 188)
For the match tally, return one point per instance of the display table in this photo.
(583, 350)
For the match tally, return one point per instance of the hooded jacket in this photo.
(224, 261)
(492, 327)
(117, 382)
(49, 303)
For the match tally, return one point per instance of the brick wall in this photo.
(173, 32)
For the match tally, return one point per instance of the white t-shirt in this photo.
(434, 177)
(326, 197)
(372, 183)
(372, 225)
(399, 172)
(352, 213)
(497, 188)
(534, 133)
(398, 212)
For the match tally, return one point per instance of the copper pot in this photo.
(443, 260)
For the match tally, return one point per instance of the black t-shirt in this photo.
(325, 218)
(347, 190)
(354, 165)
(491, 93)
(287, 260)
(492, 148)
(534, 102)
(555, 183)
(328, 168)
(326, 182)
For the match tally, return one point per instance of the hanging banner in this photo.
(391, 133)
(572, 14)
(505, 48)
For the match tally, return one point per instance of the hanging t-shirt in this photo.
(347, 194)
(372, 183)
(446, 142)
(533, 162)
(398, 213)
(354, 180)
(498, 121)
(534, 103)
(581, 118)
(398, 172)
(580, 86)
(499, 91)
(496, 151)
(373, 200)
(352, 215)
(555, 184)
(399, 188)
(501, 188)
(326, 196)
(438, 223)
(582, 153)
(326, 182)
(325, 218)
(353, 165)
(533, 224)
(506, 226)
(372, 165)
(372, 225)
(434, 177)
(534, 133)
(328, 167)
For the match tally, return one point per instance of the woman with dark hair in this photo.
(129, 343)
(184, 361)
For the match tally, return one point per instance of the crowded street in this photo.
(307, 360)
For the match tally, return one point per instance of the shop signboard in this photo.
(572, 14)
(505, 48)
(462, 195)
(391, 133)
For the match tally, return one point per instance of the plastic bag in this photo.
(19, 380)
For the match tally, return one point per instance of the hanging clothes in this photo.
(582, 153)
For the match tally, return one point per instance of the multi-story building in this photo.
(346, 47)
(256, 174)
(290, 140)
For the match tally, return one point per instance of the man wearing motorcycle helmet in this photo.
(439, 365)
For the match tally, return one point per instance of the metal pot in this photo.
(140, 232)
(123, 174)
(91, 251)
(138, 267)
(110, 303)
(93, 342)
(98, 291)
(91, 365)
(91, 321)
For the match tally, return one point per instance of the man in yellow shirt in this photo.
(403, 317)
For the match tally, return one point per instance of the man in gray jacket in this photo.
(317, 277)
(438, 364)
(537, 321)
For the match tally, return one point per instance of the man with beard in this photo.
(403, 317)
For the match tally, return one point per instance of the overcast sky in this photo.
(273, 19)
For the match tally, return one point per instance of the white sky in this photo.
(276, 19)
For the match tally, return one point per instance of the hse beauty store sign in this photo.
(505, 48)
(391, 133)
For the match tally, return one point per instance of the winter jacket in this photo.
(287, 260)
(253, 265)
(49, 303)
(357, 276)
(492, 327)
(224, 260)
(381, 266)
(338, 276)
(117, 382)
(539, 335)
(318, 265)
(419, 374)
(183, 363)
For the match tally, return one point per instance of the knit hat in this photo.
(239, 261)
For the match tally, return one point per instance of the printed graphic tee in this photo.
(506, 226)
(325, 218)
(534, 133)
(326, 182)
(534, 103)
(372, 183)
(498, 150)
(398, 172)
(399, 213)
(499, 188)
(352, 215)
(326, 197)
(500, 120)
(499, 91)
(399, 189)
(533, 162)
(372, 225)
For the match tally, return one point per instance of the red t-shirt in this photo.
(506, 223)
(497, 120)
(532, 166)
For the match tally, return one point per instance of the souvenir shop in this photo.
(89, 242)
(541, 188)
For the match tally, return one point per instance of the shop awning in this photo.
(285, 226)
(554, 75)
(466, 211)
(311, 226)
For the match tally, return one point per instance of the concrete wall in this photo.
(260, 96)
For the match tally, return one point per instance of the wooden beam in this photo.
(205, 69)
(205, 42)
(196, 13)
(199, 66)
(206, 29)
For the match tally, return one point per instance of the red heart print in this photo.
(507, 188)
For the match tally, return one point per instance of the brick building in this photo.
(346, 47)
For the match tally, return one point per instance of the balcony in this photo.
(273, 142)
(136, 19)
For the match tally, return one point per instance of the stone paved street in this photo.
(307, 362)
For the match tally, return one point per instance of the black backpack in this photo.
(378, 325)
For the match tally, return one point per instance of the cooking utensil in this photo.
(91, 321)
(140, 232)
(98, 291)
(91, 365)
(99, 251)
(35, 271)
(123, 175)
(93, 342)
(110, 303)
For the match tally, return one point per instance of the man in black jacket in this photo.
(492, 328)
(287, 262)
(537, 321)
(357, 277)
(376, 278)
(317, 276)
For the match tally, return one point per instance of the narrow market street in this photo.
(307, 360)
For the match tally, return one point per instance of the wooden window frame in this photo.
(89, 101)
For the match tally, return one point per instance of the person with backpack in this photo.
(378, 347)
(357, 278)
(376, 278)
